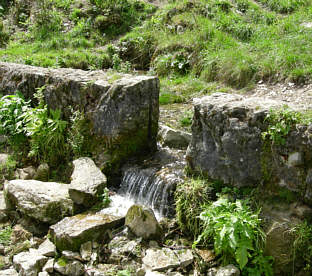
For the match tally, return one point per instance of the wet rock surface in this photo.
(47, 202)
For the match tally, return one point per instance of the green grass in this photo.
(195, 47)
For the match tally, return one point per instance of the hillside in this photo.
(196, 47)
(143, 122)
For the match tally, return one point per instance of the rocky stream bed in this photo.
(57, 231)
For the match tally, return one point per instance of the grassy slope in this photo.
(195, 46)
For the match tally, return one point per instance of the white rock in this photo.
(8, 272)
(47, 202)
(87, 182)
(43, 273)
(165, 258)
(29, 263)
(229, 270)
(47, 248)
(48, 267)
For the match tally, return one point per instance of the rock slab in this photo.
(71, 232)
(46, 202)
(87, 182)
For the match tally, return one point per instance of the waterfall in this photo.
(150, 187)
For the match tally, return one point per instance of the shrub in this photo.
(236, 234)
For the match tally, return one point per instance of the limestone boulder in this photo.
(71, 232)
(142, 222)
(121, 110)
(87, 183)
(173, 138)
(47, 202)
(164, 259)
(227, 144)
(29, 263)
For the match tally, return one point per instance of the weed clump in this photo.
(190, 199)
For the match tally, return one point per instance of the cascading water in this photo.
(150, 187)
(151, 184)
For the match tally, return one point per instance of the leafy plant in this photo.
(105, 199)
(235, 231)
(280, 123)
(5, 235)
(303, 244)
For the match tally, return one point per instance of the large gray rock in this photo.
(143, 223)
(29, 263)
(173, 138)
(88, 182)
(47, 202)
(165, 258)
(122, 110)
(71, 232)
(227, 144)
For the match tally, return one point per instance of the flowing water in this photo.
(151, 184)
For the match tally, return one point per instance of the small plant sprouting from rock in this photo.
(280, 123)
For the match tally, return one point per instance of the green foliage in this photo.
(43, 129)
(124, 273)
(280, 123)
(303, 244)
(285, 6)
(186, 120)
(7, 169)
(78, 134)
(12, 110)
(190, 199)
(235, 231)
(120, 15)
(105, 199)
(5, 235)
(172, 63)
